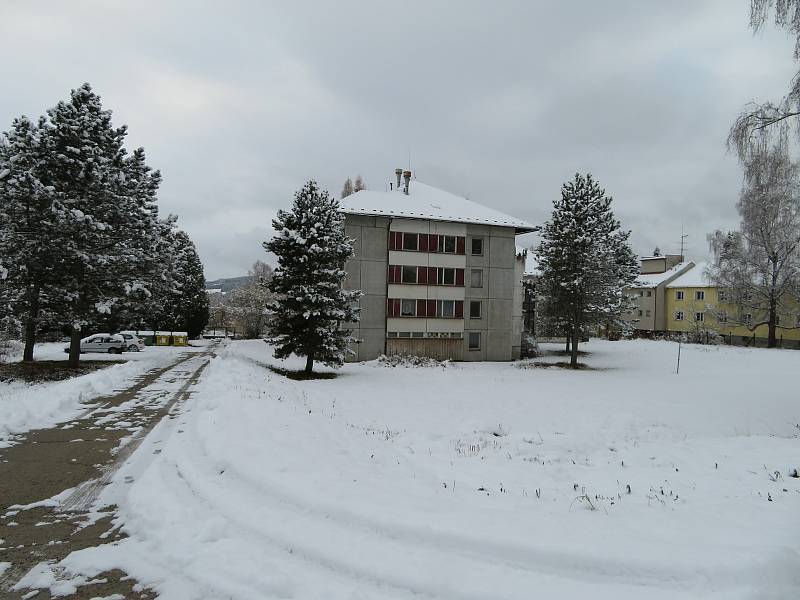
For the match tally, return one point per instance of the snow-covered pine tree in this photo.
(30, 249)
(585, 261)
(311, 305)
(181, 304)
(102, 215)
(191, 300)
(142, 238)
(347, 188)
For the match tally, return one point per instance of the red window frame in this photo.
(459, 277)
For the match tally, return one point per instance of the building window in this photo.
(679, 295)
(679, 315)
(699, 295)
(410, 241)
(474, 340)
(641, 293)
(409, 274)
(456, 334)
(721, 295)
(449, 244)
(476, 278)
(699, 317)
(640, 313)
(722, 317)
(647, 313)
(404, 334)
(445, 308)
(475, 309)
(391, 334)
(477, 246)
(448, 276)
(408, 308)
(648, 293)
(417, 334)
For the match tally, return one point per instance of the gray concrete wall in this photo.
(366, 270)
(498, 264)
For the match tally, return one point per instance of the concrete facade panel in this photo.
(501, 283)
(502, 252)
(499, 314)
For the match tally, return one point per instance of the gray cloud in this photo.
(238, 104)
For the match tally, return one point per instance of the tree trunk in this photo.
(74, 347)
(772, 326)
(573, 360)
(31, 321)
(309, 363)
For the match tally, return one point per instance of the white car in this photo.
(102, 342)
(135, 344)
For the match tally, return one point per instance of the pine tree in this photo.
(182, 303)
(347, 188)
(359, 185)
(585, 261)
(29, 234)
(311, 306)
(109, 220)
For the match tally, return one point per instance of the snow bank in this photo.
(26, 406)
(473, 481)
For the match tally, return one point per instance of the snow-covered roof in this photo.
(427, 202)
(694, 277)
(651, 280)
(214, 291)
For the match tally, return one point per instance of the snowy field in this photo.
(25, 406)
(472, 481)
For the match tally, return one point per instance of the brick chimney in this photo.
(407, 178)
(399, 173)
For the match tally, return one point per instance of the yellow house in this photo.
(696, 306)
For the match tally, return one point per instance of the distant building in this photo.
(649, 314)
(440, 274)
(696, 305)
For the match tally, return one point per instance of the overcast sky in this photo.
(238, 103)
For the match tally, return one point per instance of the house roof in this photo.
(427, 202)
(651, 280)
(694, 277)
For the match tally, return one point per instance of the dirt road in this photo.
(74, 461)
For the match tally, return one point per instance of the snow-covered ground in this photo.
(25, 406)
(472, 481)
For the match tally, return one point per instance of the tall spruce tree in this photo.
(311, 305)
(180, 302)
(30, 220)
(109, 224)
(585, 261)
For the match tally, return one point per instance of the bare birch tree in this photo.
(758, 266)
(773, 118)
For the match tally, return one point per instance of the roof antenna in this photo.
(683, 241)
